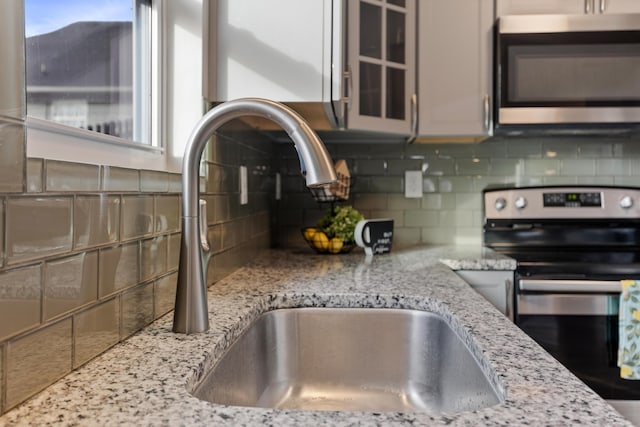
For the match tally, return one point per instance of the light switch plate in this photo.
(413, 184)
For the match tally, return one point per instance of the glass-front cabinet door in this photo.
(381, 66)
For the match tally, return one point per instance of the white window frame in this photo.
(176, 105)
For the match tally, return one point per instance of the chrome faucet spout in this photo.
(191, 313)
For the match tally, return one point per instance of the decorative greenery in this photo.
(340, 222)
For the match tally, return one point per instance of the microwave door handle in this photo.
(485, 106)
(577, 286)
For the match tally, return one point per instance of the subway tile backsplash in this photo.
(450, 210)
(37, 227)
(89, 254)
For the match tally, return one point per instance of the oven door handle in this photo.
(578, 286)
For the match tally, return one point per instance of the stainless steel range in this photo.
(573, 245)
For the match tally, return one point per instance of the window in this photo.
(88, 65)
(171, 101)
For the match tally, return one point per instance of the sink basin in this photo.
(349, 359)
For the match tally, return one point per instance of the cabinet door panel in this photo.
(617, 6)
(541, 7)
(454, 67)
(381, 62)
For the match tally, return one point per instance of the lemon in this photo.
(335, 245)
(320, 241)
(308, 233)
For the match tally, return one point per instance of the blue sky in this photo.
(44, 16)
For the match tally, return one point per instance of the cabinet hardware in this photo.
(487, 112)
(414, 116)
(348, 84)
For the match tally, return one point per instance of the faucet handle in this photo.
(204, 238)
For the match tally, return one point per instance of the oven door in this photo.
(576, 321)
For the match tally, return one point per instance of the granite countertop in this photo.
(145, 380)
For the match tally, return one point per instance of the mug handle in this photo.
(361, 234)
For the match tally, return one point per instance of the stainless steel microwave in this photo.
(567, 71)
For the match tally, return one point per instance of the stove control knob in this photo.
(520, 203)
(626, 202)
(500, 203)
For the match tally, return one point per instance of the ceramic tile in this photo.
(35, 171)
(154, 182)
(399, 166)
(67, 176)
(96, 330)
(542, 167)
(579, 167)
(167, 214)
(120, 179)
(37, 360)
(137, 309)
(165, 294)
(136, 217)
(20, 291)
(387, 184)
(472, 166)
(175, 183)
(615, 167)
(96, 220)
(119, 268)
(70, 283)
(12, 156)
(421, 218)
(370, 167)
(153, 258)
(173, 252)
(38, 226)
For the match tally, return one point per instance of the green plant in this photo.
(340, 222)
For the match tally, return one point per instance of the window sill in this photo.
(53, 141)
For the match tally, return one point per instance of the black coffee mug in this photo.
(374, 235)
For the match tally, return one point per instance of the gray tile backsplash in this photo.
(137, 217)
(96, 220)
(137, 309)
(66, 176)
(119, 268)
(70, 283)
(89, 254)
(37, 227)
(36, 360)
(12, 157)
(95, 330)
(20, 300)
(454, 175)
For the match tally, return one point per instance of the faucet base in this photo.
(191, 314)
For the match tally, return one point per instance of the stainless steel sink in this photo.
(346, 359)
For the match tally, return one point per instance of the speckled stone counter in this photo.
(146, 380)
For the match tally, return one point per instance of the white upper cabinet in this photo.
(454, 68)
(381, 66)
(535, 7)
(356, 73)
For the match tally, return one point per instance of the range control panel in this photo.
(562, 202)
(572, 200)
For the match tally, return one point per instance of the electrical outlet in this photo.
(244, 186)
(413, 184)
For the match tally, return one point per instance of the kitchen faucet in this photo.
(191, 313)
